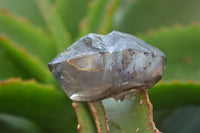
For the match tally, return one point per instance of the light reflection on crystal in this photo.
(97, 66)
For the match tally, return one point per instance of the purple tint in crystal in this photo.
(97, 67)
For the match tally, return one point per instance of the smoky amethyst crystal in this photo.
(97, 66)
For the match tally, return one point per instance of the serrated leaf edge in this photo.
(150, 115)
(24, 21)
(175, 26)
(28, 57)
(24, 82)
(101, 123)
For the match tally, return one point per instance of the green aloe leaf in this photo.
(25, 8)
(85, 122)
(71, 12)
(177, 100)
(176, 106)
(27, 36)
(141, 15)
(9, 68)
(104, 9)
(13, 124)
(49, 109)
(181, 46)
(133, 114)
(55, 25)
(99, 116)
(182, 120)
(20, 62)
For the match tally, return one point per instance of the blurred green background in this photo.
(33, 32)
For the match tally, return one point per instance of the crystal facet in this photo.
(97, 67)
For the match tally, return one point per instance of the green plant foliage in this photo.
(72, 12)
(85, 122)
(176, 102)
(33, 32)
(182, 120)
(136, 110)
(23, 61)
(9, 64)
(55, 25)
(25, 8)
(40, 104)
(180, 44)
(99, 115)
(142, 15)
(27, 36)
(13, 124)
(104, 9)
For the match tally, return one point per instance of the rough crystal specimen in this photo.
(96, 66)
